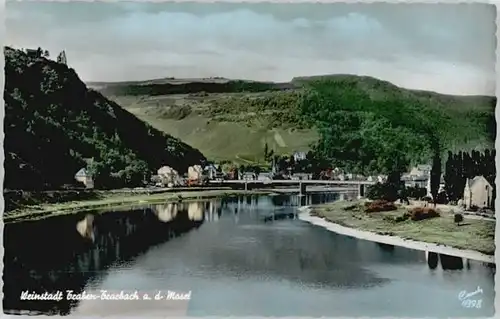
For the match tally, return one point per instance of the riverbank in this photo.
(114, 199)
(472, 239)
(16, 199)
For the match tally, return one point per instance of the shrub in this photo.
(442, 198)
(458, 218)
(416, 192)
(350, 207)
(381, 191)
(176, 112)
(421, 213)
(402, 218)
(389, 218)
(379, 206)
(378, 202)
(396, 219)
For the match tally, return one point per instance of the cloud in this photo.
(450, 52)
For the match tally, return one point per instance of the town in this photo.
(476, 196)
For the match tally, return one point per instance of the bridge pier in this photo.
(303, 200)
(432, 259)
(302, 187)
(361, 191)
(246, 186)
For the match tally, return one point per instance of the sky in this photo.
(447, 48)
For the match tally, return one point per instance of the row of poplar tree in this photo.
(462, 165)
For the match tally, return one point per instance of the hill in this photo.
(55, 125)
(234, 122)
(185, 86)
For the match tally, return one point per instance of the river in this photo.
(240, 256)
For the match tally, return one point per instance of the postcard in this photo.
(249, 159)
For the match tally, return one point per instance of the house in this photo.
(336, 170)
(415, 181)
(405, 178)
(265, 177)
(156, 180)
(195, 172)
(302, 176)
(478, 192)
(83, 176)
(168, 176)
(381, 178)
(213, 172)
(377, 178)
(299, 156)
(421, 170)
(358, 177)
(210, 171)
(248, 176)
(232, 174)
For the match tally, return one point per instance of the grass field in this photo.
(472, 234)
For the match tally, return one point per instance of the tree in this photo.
(368, 136)
(435, 172)
(475, 163)
(266, 152)
(73, 124)
(46, 54)
(291, 162)
(450, 175)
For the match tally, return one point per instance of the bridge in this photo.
(301, 183)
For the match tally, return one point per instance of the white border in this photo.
(2, 114)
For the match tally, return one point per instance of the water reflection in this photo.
(165, 212)
(432, 259)
(237, 253)
(59, 256)
(448, 262)
(86, 227)
(195, 211)
(386, 247)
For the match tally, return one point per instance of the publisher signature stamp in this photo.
(471, 299)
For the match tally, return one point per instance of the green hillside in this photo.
(225, 126)
(235, 124)
(54, 124)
